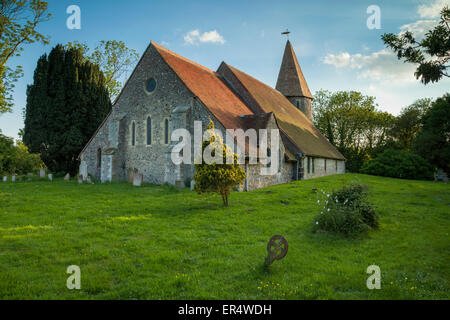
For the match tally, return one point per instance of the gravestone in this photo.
(88, 179)
(13, 178)
(192, 184)
(137, 179)
(42, 173)
(5, 178)
(50, 177)
(277, 248)
(80, 179)
(67, 177)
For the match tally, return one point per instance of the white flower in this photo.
(318, 201)
(317, 222)
(328, 209)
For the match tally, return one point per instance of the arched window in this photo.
(133, 133)
(99, 158)
(269, 160)
(149, 130)
(166, 131)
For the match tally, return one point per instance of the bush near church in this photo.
(15, 159)
(399, 164)
(219, 178)
(347, 211)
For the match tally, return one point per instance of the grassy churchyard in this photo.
(157, 242)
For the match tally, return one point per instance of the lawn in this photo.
(157, 242)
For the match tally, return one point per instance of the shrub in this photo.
(399, 164)
(347, 211)
(15, 159)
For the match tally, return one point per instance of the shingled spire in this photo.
(292, 84)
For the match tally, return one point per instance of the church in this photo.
(166, 92)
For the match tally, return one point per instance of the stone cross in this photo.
(277, 248)
(137, 179)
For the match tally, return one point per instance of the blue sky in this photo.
(335, 48)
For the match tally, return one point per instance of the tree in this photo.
(19, 20)
(216, 177)
(65, 105)
(114, 59)
(409, 122)
(352, 123)
(431, 54)
(433, 141)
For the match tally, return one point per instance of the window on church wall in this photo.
(309, 165)
(269, 153)
(325, 164)
(99, 158)
(149, 130)
(312, 160)
(166, 131)
(336, 165)
(133, 133)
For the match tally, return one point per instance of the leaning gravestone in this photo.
(50, 177)
(67, 177)
(80, 179)
(5, 178)
(42, 173)
(276, 249)
(137, 179)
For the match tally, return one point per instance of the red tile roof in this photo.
(209, 88)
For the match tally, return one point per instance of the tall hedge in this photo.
(65, 104)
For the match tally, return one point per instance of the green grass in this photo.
(156, 242)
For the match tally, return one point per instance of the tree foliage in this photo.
(15, 159)
(433, 141)
(352, 123)
(19, 20)
(65, 105)
(432, 54)
(216, 177)
(113, 57)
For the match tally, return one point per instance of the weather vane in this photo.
(286, 33)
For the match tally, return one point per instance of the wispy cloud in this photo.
(432, 10)
(194, 37)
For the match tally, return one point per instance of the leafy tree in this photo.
(215, 177)
(114, 59)
(352, 123)
(409, 122)
(65, 104)
(19, 20)
(431, 54)
(433, 141)
(399, 164)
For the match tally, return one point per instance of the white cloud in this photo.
(419, 27)
(432, 10)
(380, 66)
(194, 37)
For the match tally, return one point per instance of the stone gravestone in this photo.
(80, 179)
(192, 184)
(67, 177)
(5, 178)
(137, 179)
(277, 248)
(13, 178)
(50, 177)
(42, 173)
(88, 179)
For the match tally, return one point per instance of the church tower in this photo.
(292, 84)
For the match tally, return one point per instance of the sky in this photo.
(334, 45)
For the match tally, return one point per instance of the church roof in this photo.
(291, 81)
(302, 135)
(209, 88)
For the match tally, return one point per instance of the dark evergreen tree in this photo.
(65, 104)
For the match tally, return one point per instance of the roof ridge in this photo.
(159, 47)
